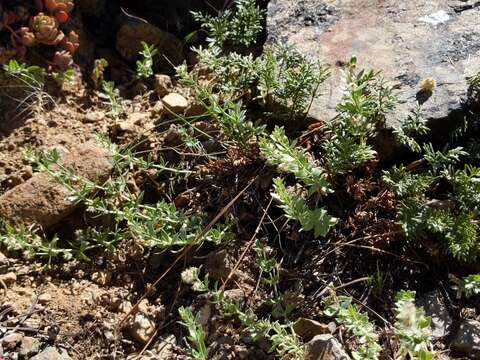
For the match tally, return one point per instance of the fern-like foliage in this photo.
(406, 184)
(366, 101)
(454, 220)
(289, 78)
(357, 324)
(282, 78)
(295, 208)
(233, 74)
(415, 125)
(279, 152)
(466, 188)
(458, 232)
(237, 27)
(439, 160)
(231, 115)
(412, 328)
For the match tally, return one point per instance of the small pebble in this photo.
(8, 278)
(44, 298)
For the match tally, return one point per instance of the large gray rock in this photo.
(42, 201)
(434, 305)
(325, 347)
(408, 40)
(467, 339)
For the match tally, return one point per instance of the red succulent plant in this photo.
(46, 30)
(71, 42)
(60, 8)
(28, 37)
(62, 59)
(30, 26)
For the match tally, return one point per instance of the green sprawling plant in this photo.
(230, 115)
(412, 328)
(34, 77)
(158, 225)
(111, 95)
(366, 101)
(278, 151)
(233, 74)
(285, 342)
(356, 323)
(440, 160)
(405, 183)
(196, 334)
(234, 27)
(282, 79)
(145, 64)
(454, 218)
(28, 241)
(270, 276)
(30, 74)
(295, 208)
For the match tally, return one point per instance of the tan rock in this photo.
(219, 265)
(176, 103)
(3, 259)
(30, 346)
(158, 108)
(44, 298)
(42, 201)
(8, 278)
(11, 340)
(308, 328)
(163, 85)
(142, 328)
(125, 306)
(325, 347)
(138, 118)
(164, 350)
(194, 109)
(102, 278)
(93, 116)
(51, 353)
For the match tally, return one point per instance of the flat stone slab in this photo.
(407, 40)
